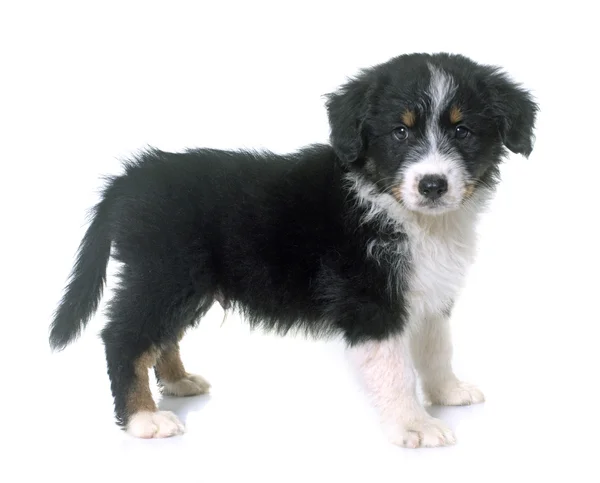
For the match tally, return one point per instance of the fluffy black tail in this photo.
(86, 284)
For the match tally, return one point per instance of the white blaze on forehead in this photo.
(441, 89)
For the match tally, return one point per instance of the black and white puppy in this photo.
(368, 238)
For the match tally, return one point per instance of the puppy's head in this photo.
(430, 130)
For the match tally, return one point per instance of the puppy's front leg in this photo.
(431, 348)
(387, 371)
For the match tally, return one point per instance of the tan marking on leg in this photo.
(173, 378)
(409, 118)
(140, 397)
(169, 366)
(456, 115)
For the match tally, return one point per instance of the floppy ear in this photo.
(515, 113)
(347, 110)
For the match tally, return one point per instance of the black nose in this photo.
(433, 186)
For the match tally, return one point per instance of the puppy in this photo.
(368, 238)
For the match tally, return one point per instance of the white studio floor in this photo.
(290, 410)
(84, 87)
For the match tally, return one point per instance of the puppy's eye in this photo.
(400, 134)
(461, 132)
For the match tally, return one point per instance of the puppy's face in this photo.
(430, 130)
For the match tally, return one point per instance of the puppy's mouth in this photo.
(413, 200)
(433, 206)
(437, 207)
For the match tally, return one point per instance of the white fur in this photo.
(389, 376)
(455, 393)
(441, 88)
(436, 164)
(159, 424)
(431, 349)
(442, 248)
(191, 385)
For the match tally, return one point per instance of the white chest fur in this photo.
(440, 248)
(441, 251)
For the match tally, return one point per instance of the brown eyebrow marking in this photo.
(409, 118)
(456, 115)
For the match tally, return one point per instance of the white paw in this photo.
(456, 393)
(425, 432)
(191, 385)
(159, 424)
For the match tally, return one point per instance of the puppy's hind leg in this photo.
(145, 318)
(141, 414)
(173, 378)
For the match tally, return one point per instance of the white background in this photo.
(85, 84)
